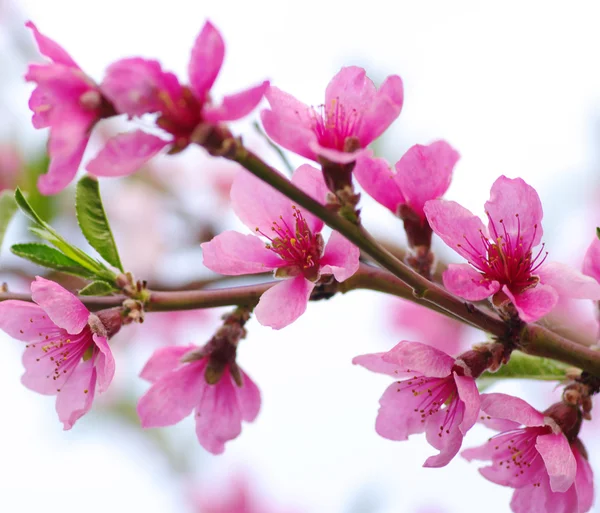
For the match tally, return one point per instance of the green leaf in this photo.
(46, 256)
(93, 222)
(8, 207)
(598, 232)
(97, 288)
(524, 366)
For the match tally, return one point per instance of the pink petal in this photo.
(333, 155)
(311, 181)
(469, 395)
(64, 309)
(352, 89)
(235, 106)
(125, 153)
(503, 406)
(464, 281)
(163, 361)
(284, 303)
(206, 60)
(449, 443)
(105, 363)
(233, 254)
(377, 179)
(519, 207)
(136, 86)
(457, 227)
(397, 419)
(40, 370)
(375, 363)
(258, 205)
(248, 396)
(24, 321)
(68, 140)
(76, 396)
(384, 110)
(584, 481)
(218, 415)
(50, 48)
(173, 396)
(591, 262)
(340, 257)
(559, 460)
(568, 281)
(539, 499)
(424, 173)
(532, 304)
(420, 358)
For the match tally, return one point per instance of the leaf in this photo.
(8, 207)
(598, 232)
(46, 256)
(97, 288)
(524, 366)
(93, 222)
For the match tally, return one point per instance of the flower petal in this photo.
(105, 363)
(351, 89)
(248, 396)
(503, 406)
(235, 106)
(232, 253)
(311, 181)
(206, 60)
(450, 442)
(559, 460)
(466, 282)
(397, 418)
(375, 363)
(469, 395)
(50, 48)
(420, 358)
(173, 396)
(568, 281)
(76, 396)
(284, 303)
(377, 179)
(125, 153)
(457, 227)
(340, 257)
(163, 361)
(584, 481)
(333, 155)
(64, 309)
(24, 321)
(591, 262)
(424, 173)
(518, 206)
(532, 304)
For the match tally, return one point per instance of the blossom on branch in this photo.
(548, 469)
(355, 113)
(139, 86)
(437, 395)
(67, 352)
(68, 102)
(286, 240)
(504, 260)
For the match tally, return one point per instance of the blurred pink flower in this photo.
(436, 398)
(184, 379)
(422, 174)
(591, 262)
(67, 354)
(294, 249)
(505, 266)
(11, 166)
(535, 457)
(138, 86)
(355, 113)
(68, 102)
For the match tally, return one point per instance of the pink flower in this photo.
(184, 379)
(534, 456)
(67, 352)
(355, 113)
(137, 86)
(504, 263)
(591, 262)
(68, 102)
(294, 247)
(438, 397)
(422, 174)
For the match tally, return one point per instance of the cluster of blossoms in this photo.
(68, 354)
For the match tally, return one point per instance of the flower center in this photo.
(333, 124)
(507, 259)
(298, 247)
